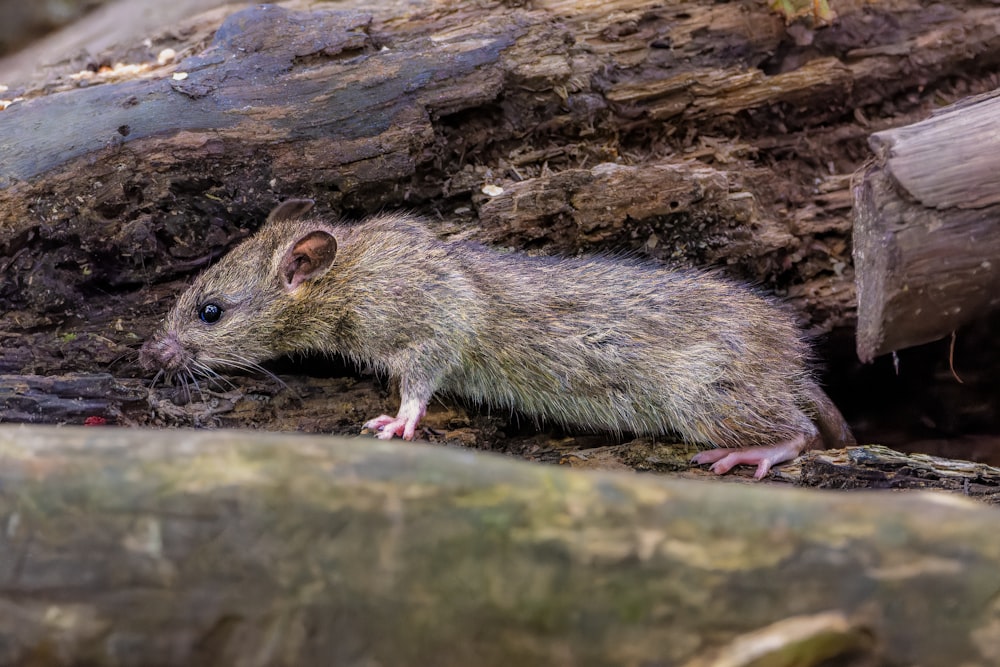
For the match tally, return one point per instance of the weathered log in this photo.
(878, 467)
(162, 174)
(133, 547)
(119, 185)
(926, 242)
(58, 399)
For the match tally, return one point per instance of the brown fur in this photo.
(598, 343)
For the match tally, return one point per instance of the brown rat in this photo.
(600, 343)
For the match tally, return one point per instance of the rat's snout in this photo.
(163, 353)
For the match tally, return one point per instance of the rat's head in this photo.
(236, 313)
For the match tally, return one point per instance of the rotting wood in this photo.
(167, 171)
(228, 548)
(68, 398)
(926, 241)
(420, 105)
(878, 467)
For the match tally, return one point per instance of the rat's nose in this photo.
(163, 353)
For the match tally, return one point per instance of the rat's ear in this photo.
(291, 209)
(308, 258)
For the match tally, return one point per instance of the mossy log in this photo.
(131, 547)
(926, 241)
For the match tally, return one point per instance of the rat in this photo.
(602, 343)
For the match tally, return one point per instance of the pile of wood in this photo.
(696, 133)
(693, 132)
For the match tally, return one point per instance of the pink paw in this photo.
(388, 427)
(404, 424)
(724, 460)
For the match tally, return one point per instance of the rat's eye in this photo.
(210, 313)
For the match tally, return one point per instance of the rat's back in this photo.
(624, 345)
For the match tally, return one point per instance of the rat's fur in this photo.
(600, 343)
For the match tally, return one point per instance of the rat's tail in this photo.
(832, 426)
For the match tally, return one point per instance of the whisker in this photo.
(224, 384)
(212, 375)
(186, 386)
(243, 363)
(201, 394)
(124, 355)
(156, 378)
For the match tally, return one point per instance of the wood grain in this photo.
(926, 241)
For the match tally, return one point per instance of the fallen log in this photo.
(878, 467)
(67, 398)
(130, 177)
(687, 132)
(134, 547)
(926, 241)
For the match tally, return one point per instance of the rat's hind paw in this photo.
(724, 460)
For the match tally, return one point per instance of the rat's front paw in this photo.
(404, 424)
(378, 423)
(387, 427)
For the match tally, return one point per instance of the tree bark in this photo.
(132, 547)
(163, 173)
(74, 398)
(926, 242)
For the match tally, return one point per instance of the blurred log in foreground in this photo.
(926, 238)
(133, 547)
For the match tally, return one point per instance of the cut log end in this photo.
(927, 260)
